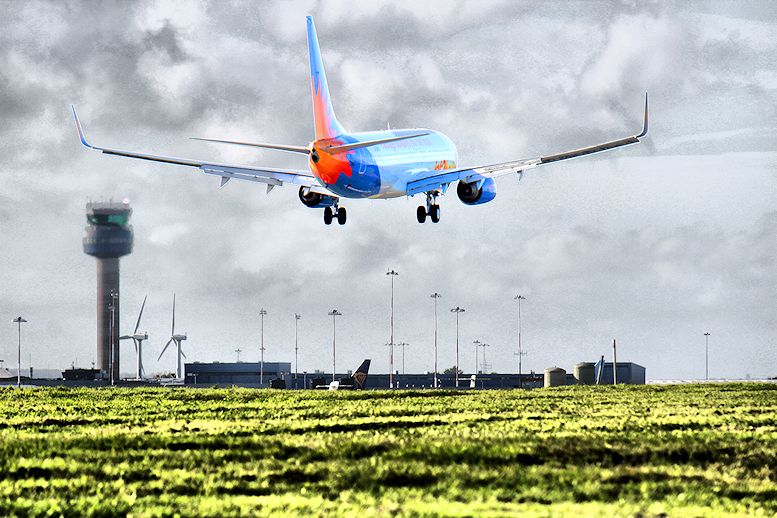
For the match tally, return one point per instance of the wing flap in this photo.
(274, 177)
(437, 180)
(433, 182)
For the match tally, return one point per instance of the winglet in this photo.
(80, 131)
(645, 127)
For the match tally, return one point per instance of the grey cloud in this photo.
(621, 258)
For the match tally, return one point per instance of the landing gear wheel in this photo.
(434, 213)
(421, 214)
(432, 209)
(328, 215)
(341, 215)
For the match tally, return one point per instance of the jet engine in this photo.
(315, 200)
(471, 194)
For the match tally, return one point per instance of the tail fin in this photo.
(360, 376)
(323, 113)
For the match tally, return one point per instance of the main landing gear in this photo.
(338, 212)
(432, 209)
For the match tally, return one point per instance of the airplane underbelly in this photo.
(361, 184)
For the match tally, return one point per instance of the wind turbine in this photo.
(177, 339)
(138, 340)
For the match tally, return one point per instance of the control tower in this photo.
(108, 237)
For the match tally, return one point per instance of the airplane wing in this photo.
(271, 177)
(439, 180)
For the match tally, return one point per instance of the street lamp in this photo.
(393, 274)
(262, 312)
(435, 296)
(296, 343)
(707, 362)
(19, 321)
(457, 310)
(519, 298)
(238, 351)
(477, 344)
(334, 314)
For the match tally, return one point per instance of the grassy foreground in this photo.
(643, 451)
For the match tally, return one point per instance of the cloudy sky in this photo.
(653, 245)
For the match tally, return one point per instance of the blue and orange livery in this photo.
(378, 164)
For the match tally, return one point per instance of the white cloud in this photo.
(168, 234)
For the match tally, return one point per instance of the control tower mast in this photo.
(108, 237)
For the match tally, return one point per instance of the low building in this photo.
(75, 374)
(244, 374)
(626, 372)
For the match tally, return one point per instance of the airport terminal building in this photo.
(280, 375)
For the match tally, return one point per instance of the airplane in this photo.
(379, 164)
(355, 382)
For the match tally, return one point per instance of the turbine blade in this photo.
(164, 349)
(173, 333)
(137, 324)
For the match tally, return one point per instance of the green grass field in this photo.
(643, 451)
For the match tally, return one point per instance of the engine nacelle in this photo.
(469, 193)
(315, 200)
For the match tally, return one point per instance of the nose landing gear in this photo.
(432, 209)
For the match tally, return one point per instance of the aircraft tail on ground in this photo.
(326, 123)
(355, 382)
(360, 376)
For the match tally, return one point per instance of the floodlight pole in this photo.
(485, 364)
(334, 314)
(519, 298)
(457, 310)
(19, 321)
(520, 376)
(477, 344)
(112, 307)
(707, 356)
(435, 296)
(296, 349)
(262, 312)
(393, 274)
(402, 345)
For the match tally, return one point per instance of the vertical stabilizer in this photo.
(324, 115)
(360, 376)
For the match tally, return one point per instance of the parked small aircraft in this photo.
(378, 164)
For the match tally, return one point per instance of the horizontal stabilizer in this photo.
(292, 149)
(333, 150)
